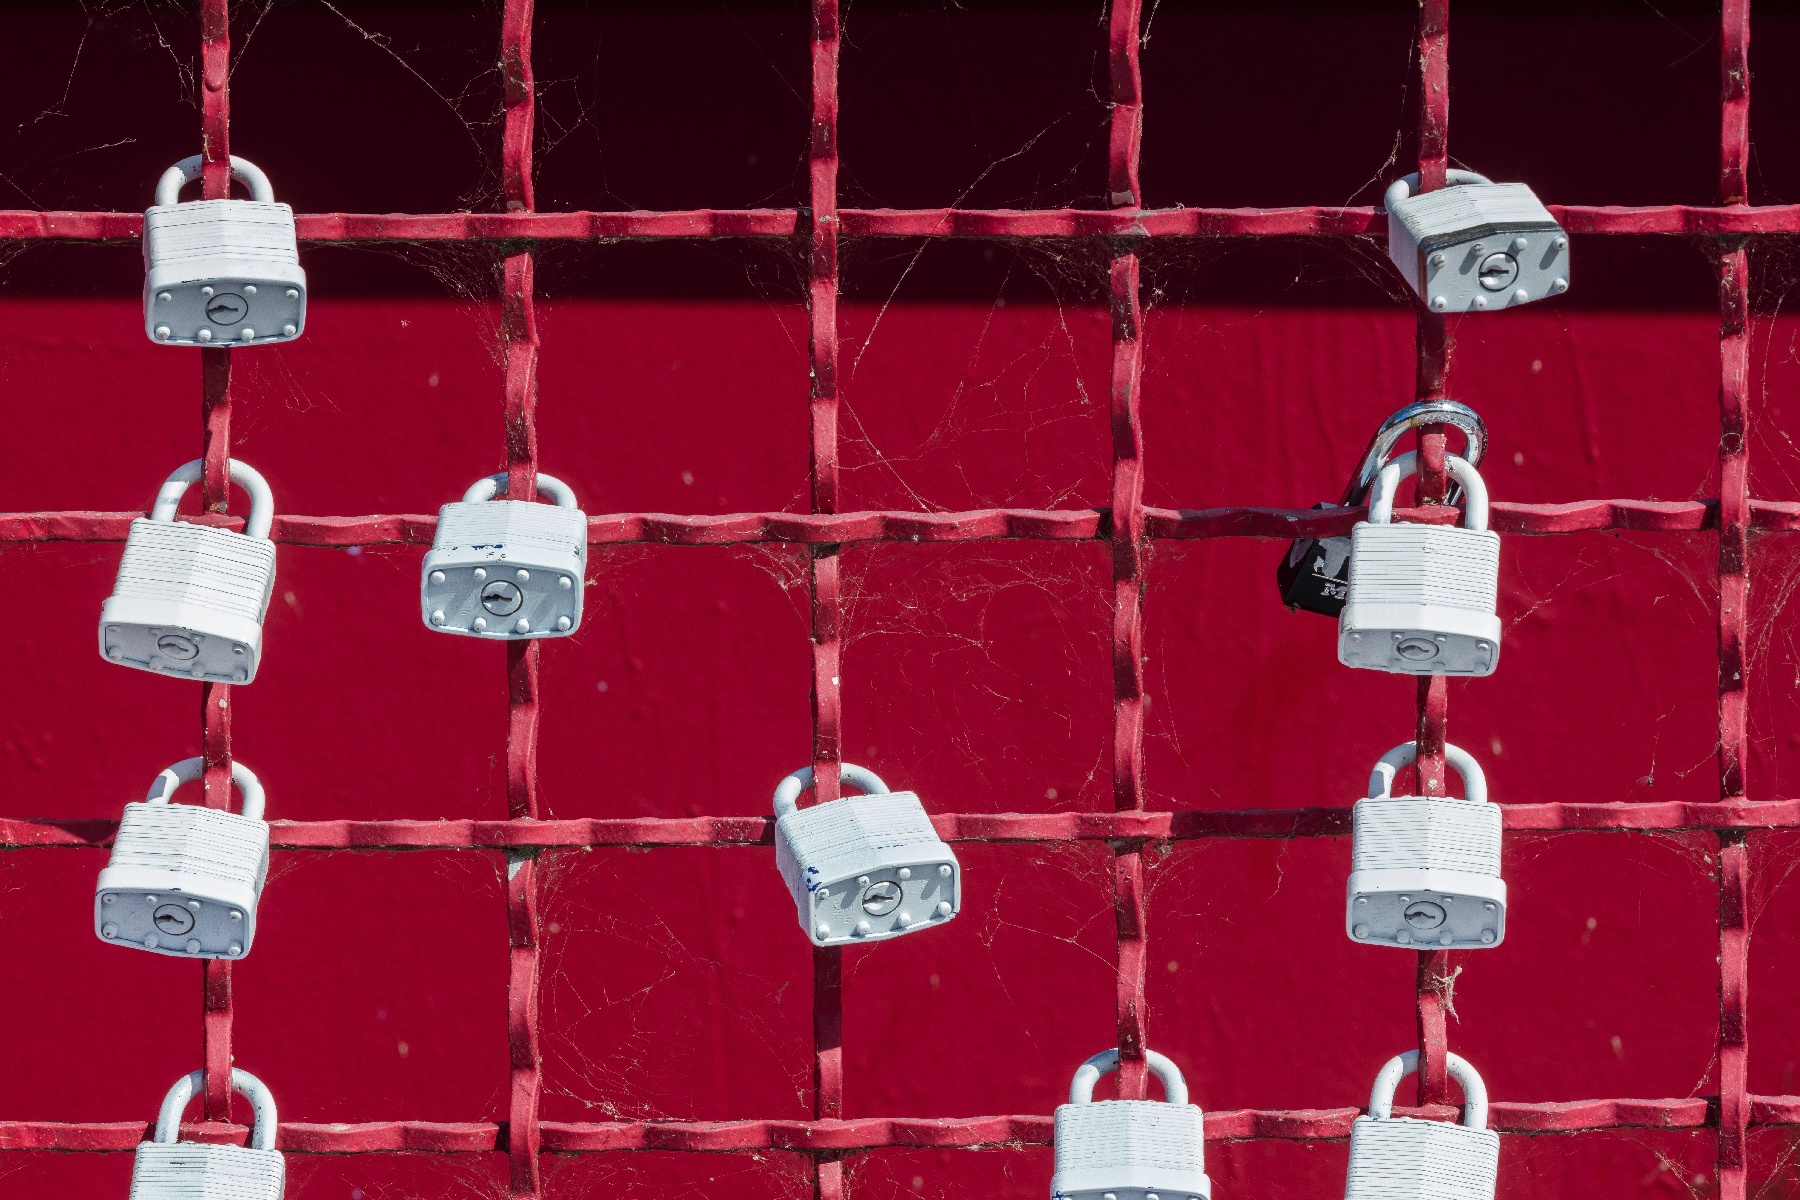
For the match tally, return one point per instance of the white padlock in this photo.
(221, 272)
(1405, 1158)
(1423, 599)
(190, 599)
(1129, 1149)
(183, 879)
(1425, 870)
(1475, 244)
(168, 1169)
(863, 868)
(506, 569)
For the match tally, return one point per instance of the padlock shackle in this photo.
(1081, 1089)
(168, 187)
(1381, 779)
(262, 500)
(1402, 188)
(262, 1105)
(1475, 1098)
(490, 486)
(1475, 496)
(787, 792)
(190, 769)
(1425, 412)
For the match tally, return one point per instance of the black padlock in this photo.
(1315, 572)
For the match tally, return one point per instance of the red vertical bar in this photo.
(827, 703)
(1125, 146)
(518, 331)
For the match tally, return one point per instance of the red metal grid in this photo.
(1127, 525)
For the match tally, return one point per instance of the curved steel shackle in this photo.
(1402, 188)
(262, 1104)
(489, 486)
(190, 769)
(169, 185)
(1081, 1088)
(1381, 779)
(1475, 1099)
(1475, 504)
(1425, 412)
(262, 500)
(787, 792)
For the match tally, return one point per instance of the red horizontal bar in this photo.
(872, 1133)
(1310, 221)
(1129, 825)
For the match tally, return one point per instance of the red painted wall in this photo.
(674, 379)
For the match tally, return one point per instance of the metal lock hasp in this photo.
(221, 272)
(167, 1169)
(506, 569)
(184, 880)
(1425, 870)
(1315, 573)
(1474, 244)
(1129, 1149)
(190, 599)
(1423, 599)
(863, 868)
(1405, 1158)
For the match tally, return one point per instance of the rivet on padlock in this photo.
(1475, 245)
(506, 569)
(1130, 1149)
(1423, 599)
(1406, 1156)
(1425, 870)
(221, 272)
(863, 868)
(168, 1169)
(190, 599)
(184, 880)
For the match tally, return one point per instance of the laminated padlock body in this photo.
(184, 880)
(1423, 599)
(506, 569)
(864, 868)
(1129, 1149)
(167, 1169)
(1425, 870)
(189, 600)
(1404, 1158)
(1476, 245)
(221, 272)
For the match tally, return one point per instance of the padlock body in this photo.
(864, 868)
(1425, 874)
(497, 563)
(1476, 227)
(1422, 600)
(199, 1171)
(222, 273)
(189, 601)
(183, 880)
(1402, 1158)
(1315, 574)
(1131, 1149)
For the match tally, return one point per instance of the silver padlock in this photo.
(1475, 244)
(863, 868)
(1405, 1158)
(1423, 599)
(190, 599)
(506, 569)
(1425, 870)
(168, 1169)
(1129, 1149)
(221, 272)
(183, 879)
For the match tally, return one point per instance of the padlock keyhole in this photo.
(502, 598)
(881, 898)
(1497, 271)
